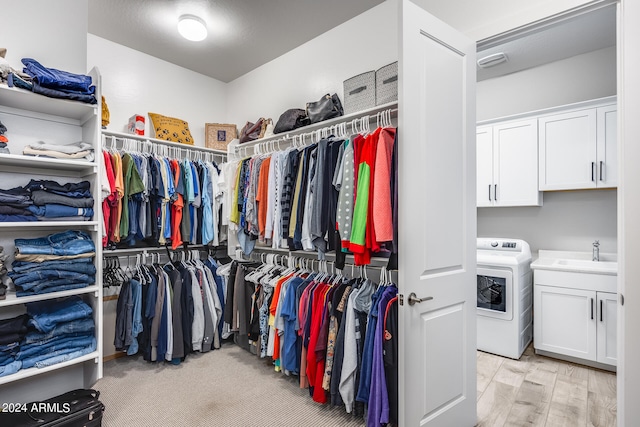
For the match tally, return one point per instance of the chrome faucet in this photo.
(596, 251)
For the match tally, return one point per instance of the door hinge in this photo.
(621, 299)
(400, 299)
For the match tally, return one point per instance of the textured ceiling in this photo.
(574, 36)
(243, 34)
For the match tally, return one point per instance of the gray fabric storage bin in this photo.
(387, 84)
(360, 92)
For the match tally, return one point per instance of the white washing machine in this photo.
(505, 296)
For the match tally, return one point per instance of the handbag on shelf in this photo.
(269, 128)
(290, 120)
(252, 131)
(328, 107)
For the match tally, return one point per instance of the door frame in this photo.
(628, 204)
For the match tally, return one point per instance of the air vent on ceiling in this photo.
(492, 60)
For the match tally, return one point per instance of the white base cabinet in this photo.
(578, 323)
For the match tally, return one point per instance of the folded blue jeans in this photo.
(78, 326)
(65, 357)
(64, 243)
(45, 315)
(57, 79)
(34, 278)
(10, 369)
(52, 346)
(48, 290)
(53, 210)
(33, 361)
(79, 265)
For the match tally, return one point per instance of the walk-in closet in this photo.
(334, 214)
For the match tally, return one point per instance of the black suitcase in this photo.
(77, 408)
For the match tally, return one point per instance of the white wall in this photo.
(568, 220)
(51, 32)
(136, 83)
(579, 78)
(364, 43)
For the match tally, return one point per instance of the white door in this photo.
(437, 222)
(515, 159)
(607, 333)
(564, 321)
(484, 166)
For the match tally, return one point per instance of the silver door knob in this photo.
(413, 298)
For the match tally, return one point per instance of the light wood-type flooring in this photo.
(540, 391)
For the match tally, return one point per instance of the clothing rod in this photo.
(123, 135)
(124, 251)
(308, 131)
(257, 257)
(306, 254)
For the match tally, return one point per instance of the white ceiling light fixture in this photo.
(492, 60)
(192, 28)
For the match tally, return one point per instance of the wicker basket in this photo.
(387, 84)
(360, 92)
(218, 135)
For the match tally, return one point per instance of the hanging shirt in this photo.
(262, 195)
(116, 212)
(176, 207)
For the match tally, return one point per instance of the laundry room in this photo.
(506, 240)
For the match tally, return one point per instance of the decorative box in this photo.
(387, 84)
(218, 136)
(360, 92)
(136, 125)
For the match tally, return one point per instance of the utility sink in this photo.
(576, 262)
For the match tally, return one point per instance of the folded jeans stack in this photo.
(58, 262)
(14, 204)
(64, 330)
(4, 279)
(53, 83)
(55, 202)
(12, 331)
(76, 150)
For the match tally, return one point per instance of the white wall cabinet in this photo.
(579, 323)
(29, 118)
(578, 149)
(507, 164)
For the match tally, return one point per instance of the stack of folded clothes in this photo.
(4, 279)
(3, 140)
(61, 330)
(14, 205)
(56, 202)
(12, 331)
(57, 262)
(53, 83)
(76, 150)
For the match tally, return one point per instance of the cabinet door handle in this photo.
(601, 165)
(591, 308)
(495, 192)
(593, 171)
(601, 310)
(489, 192)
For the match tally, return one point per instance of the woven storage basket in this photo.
(360, 92)
(387, 84)
(218, 135)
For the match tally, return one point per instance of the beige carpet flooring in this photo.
(227, 387)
